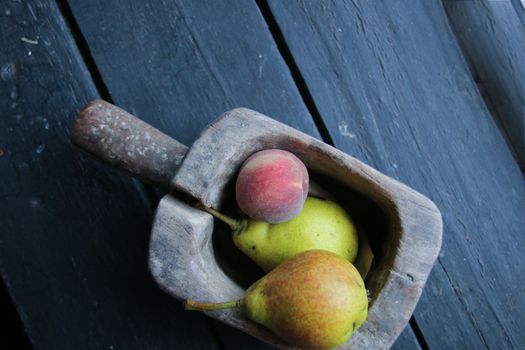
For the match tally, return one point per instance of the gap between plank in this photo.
(83, 48)
(146, 192)
(419, 335)
(308, 100)
(14, 332)
(298, 79)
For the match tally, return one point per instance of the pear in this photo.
(322, 224)
(314, 300)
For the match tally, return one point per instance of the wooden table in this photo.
(427, 92)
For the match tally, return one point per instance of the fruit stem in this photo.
(234, 224)
(201, 306)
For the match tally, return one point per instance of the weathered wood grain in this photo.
(73, 236)
(180, 64)
(416, 114)
(492, 37)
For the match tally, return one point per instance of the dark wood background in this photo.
(428, 92)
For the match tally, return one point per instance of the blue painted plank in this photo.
(391, 84)
(492, 37)
(73, 236)
(181, 64)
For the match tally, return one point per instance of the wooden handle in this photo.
(122, 140)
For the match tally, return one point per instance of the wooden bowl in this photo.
(405, 227)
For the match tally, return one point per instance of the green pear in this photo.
(322, 224)
(314, 300)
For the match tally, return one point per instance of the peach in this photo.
(272, 186)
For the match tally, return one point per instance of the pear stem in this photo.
(201, 306)
(234, 224)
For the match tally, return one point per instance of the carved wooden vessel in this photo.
(403, 226)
